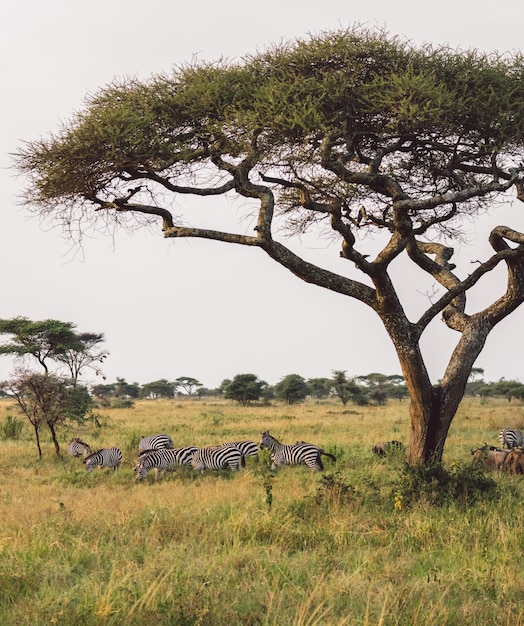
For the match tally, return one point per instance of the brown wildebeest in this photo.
(493, 458)
(386, 447)
(514, 462)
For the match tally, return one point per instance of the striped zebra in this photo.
(155, 442)
(331, 456)
(76, 447)
(296, 454)
(248, 448)
(511, 438)
(217, 458)
(162, 460)
(106, 457)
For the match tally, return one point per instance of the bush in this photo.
(11, 428)
(122, 403)
(433, 483)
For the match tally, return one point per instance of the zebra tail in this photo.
(243, 461)
(331, 456)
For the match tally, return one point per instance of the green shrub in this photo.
(11, 428)
(122, 403)
(433, 483)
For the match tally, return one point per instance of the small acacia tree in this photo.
(355, 132)
(48, 399)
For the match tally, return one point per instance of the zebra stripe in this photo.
(162, 460)
(217, 458)
(76, 447)
(295, 454)
(248, 448)
(511, 438)
(106, 457)
(155, 442)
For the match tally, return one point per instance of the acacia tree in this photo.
(354, 131)
(52, 340)
(48, 399)
(187, 384)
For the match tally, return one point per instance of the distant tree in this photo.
(52, 340)
(104, 390)
(223, 386)
(346, 389)
(48, 400)
(244, 388)
(485, 391)
(380, 387)
(508, 388)
(319, 387)
(158, 389)
(124, 389)
(44, 340)
(187, 384)
(475, 371)
(84, 352)
(292, 389)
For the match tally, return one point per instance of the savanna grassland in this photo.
(350, 546)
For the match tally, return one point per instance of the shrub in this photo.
(462, 483)
(122, 403)
(11, 428)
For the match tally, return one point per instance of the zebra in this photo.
(248, 448)
(217, 458)
(106, 457)
(155, 442)
(291, 455)
(76, 447)
(331, 456)
(511, 438)
(162, 460)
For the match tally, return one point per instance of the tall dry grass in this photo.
(293, 548)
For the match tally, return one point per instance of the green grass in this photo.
(296, 548)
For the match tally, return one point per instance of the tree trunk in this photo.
(54, 438)
(37, 438)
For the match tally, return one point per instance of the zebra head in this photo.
(267, 441)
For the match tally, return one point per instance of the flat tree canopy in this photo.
(353, 131)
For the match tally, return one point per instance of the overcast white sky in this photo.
(189, 308)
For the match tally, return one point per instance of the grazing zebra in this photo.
(76, 447)
(386, 447)
(162, 460)
(291, 455)
(511, 438)
(106, 457)
(155, 442)
(248, 448)
(331, 456)
(217, 458)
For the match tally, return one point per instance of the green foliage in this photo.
(122, 403)
(11, 428)
(52, 340)
(333, 488)
(319, 387)
(292, 389)
(244, 388)
(346, 389)
(158, 389)
(438, 485)
(363, 88)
